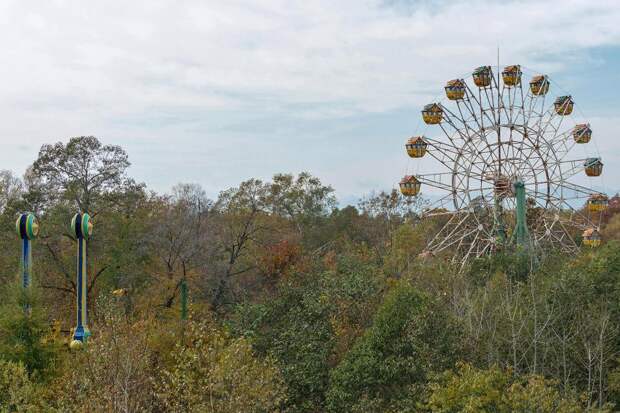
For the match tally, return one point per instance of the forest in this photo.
(296, 303)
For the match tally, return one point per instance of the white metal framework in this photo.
(490, 137)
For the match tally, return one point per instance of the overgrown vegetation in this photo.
(296, 305)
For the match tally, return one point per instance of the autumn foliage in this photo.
(296, 304)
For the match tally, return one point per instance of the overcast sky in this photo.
(215, 92)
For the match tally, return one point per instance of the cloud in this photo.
(218, 76)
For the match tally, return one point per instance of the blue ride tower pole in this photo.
(82, 228)
(27, 230)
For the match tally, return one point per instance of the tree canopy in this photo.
(296, 303)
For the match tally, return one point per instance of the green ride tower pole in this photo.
(27, 229)
(82, 228)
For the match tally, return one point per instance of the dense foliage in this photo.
(296, 304)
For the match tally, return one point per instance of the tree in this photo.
(120, 361)
(214, 373)
(494, 390)
(239, 220)
(81, 175)
(11, 189)
(392, 205)
(294, 329)
(17, 392)
(84, 171)
(23, 333)
(178, 234)
(308, 322)
(302, 199)
(410, 339)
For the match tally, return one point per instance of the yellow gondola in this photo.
(410, 186)
(591, 237)
(582, 133)
(416, 147)
(455, 89)
(482, 76)
(512, 75)
(597, 203)
(563, 105)
(539, 85)
(593, 166)
(432, 113)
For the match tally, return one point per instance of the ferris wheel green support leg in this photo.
(500, 228)
(521, 234)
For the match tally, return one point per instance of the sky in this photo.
(216, 92)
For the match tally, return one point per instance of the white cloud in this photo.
(157, 71)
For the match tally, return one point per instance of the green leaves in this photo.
(470, 390)
(410, 338)
(214, 373)
(17, 392)
(84, 171)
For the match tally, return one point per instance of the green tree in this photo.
(410, 338)
(84, 172)
(215, 373)
(114, 372)
(294, 328)
(304, 200)
(470, 390)
(23, 333)
(17, 392)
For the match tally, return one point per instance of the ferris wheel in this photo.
(505, 155)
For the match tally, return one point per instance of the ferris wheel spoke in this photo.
(542, 201)
(467, 104)
(556, 193)
(559, 235)
(444, 154)
(448, 231)
(574, 217)
(516, 109)
(466, 122)
(561, 143)
(468, 150)
(501, 104)
(553, 118)
(490, 104)
(473, 244)
(547, 226)
(569, 191)
(552, 128)
(462, 132)
(438, 180)
(470, 96)
(520, 109)
(541, 119)
(451, 137)
(455, 237)
(440, 206)
(534, 102)
(445, 181)
(568, 169)
(464, 165)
